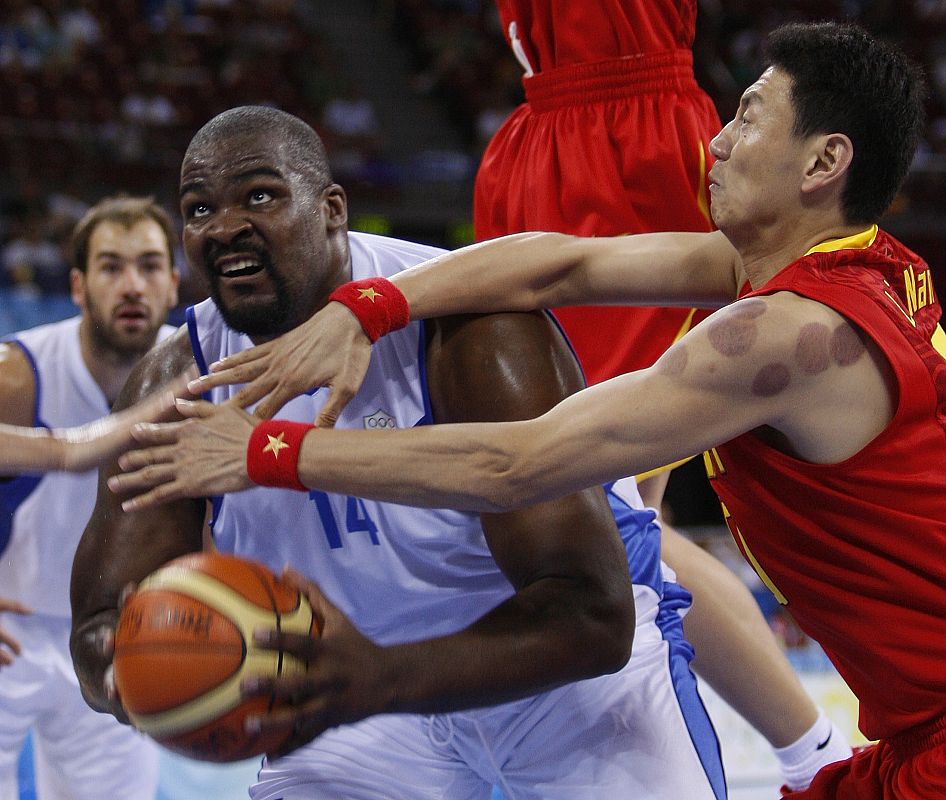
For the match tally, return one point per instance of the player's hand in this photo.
(342, 684)
(10, 647)
(329, 349)
(203, 456)
(92, 651)
(91, 445)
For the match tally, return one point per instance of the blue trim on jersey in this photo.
(12, 494)
(641, 536)
(640, 533)
(37, 384)
(191, 316)
(675, 600)
(216, 502)
(428, 417)
(568, 342)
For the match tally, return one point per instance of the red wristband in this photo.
(377, 303)
(272, 455)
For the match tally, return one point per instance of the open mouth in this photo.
(239, 266)
(132, 314)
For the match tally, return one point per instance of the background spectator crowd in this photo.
(102, 95)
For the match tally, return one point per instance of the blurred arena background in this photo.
(98, 96)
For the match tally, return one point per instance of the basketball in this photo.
(184, 642)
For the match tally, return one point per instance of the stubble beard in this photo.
(113, 345)
(254, 316)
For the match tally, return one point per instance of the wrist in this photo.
(378, 305)
(272, 454)
(55, 451)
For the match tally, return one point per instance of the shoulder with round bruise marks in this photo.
(731, 334)
(750, 308)
(847, 346)
(771, 380)
(812, 348)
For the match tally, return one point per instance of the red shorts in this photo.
(911, 766)
(605, 149)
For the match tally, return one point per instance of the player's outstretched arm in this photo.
(521, 272)
(29, 450)
(720, 380)
(527, 271)
(118, 548)
(622, 427)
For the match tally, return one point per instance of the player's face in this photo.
(760, 164)
(128, 287)
(262, 231)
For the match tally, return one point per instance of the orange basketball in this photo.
(185, 641)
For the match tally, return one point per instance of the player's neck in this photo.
(764, 257)
(109, 367)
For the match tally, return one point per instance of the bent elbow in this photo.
(606, 635)
(616, 637)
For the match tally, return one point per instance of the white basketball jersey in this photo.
(399, 573)
(42, 517)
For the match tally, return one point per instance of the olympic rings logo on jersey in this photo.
(380, 420)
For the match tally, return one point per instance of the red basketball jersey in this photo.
(857, 550)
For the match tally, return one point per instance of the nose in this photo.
(227, 225)
(720, 145)
(133, 282)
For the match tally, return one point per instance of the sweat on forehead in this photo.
(302, 143)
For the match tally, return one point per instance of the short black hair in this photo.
(846, 81)
(124, 210)
(302, 142)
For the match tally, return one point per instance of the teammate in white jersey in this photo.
(63, 375)
(459, 650)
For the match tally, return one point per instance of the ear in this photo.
(77, 287)
(335, 207)
(175, 286)
(829, 161)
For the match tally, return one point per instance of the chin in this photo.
(715, 214)
(256, 320)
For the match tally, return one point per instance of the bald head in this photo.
(301, 144)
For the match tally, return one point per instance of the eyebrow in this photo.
(252, 172)
(114, 254)
(752, 94)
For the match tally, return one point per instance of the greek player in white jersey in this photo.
(459, 650)
(59, 375)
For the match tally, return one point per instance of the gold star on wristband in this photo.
(276, 444)
(368, 294)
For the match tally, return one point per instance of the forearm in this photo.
(527, 271)
(29, 450)
(555, 631)
(600, 434)
(468, 467)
